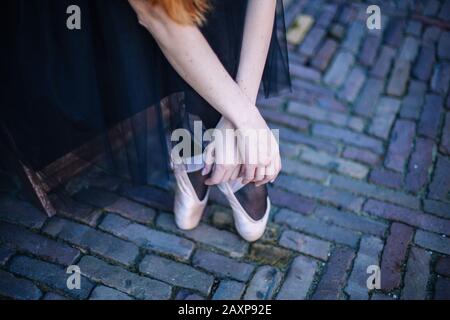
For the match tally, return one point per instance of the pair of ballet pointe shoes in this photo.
(188, 208)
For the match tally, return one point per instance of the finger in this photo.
(227, 175)
(270, 174)
(208, 157)
(216, 176)
(235, 173)
(260, 174)
(249, 173)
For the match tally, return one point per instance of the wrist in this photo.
(247, 115)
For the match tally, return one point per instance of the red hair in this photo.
(185, 11)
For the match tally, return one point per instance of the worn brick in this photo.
(414, 28)
(17, 288)
(400, 145)
(431, 116)
(419, 165)
(50, 275)
(409, 50)
(443, 266)
(21, 212)
(432, 241)
(444, 146)
(444, 46)
(383, 119)
(81, 212)
(304, 244)
(147, 238)
(263, 284)
(299, 138)
(317, 227)
(303, 170)
(300, 28)
(372, 191)
(298, 280)
(438, 208)
(431, 8)
(368, 98)
(48, 249)
(285, 120)
(369, 50)
(383, 64)
(177, 274)
(394, 32)
(222, 266)
(229, 290)
(412, 103)
(441, 78)
(123, 280)
(333, 280)
(303, 72)
(386, 178)
(445, 9)
(54, 297)
(312, 41)
(327, 15)
(417, 273)
(408, 216)
(351, 221)
(353, 84)
(5, 254)
(269, 254)
(425, 62)
(339, 69)
(368, 254)
(361, 155)
(399, 78)
(431, 35)
(442, 289)
(319, 192)
(440, 185)
(394, 255)
(282, 198)
(150, 196)
(354, 36)
(104, 293)
(324, 55)
(93, 240)
(203, 233)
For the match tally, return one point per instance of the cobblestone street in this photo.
(365, 141)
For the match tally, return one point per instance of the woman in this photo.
(101, 85)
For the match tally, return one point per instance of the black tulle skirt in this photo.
(105, 94)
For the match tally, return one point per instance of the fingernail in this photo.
(203, 171)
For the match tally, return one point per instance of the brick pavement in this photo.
(365, 138)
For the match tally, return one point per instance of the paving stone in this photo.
(339, 69)
(177, 274)
(269, 254)
(20, 212)
(81, 212)
(381, 297)
(372, 191)
(408, 216)
(331, 285)
(319, 192)
(419, 165)
(123, 280)
(442, 289)
(368, 255)
(368, 98)
(298, 280)
(93, 240)
(412, 103)
(414, 28)
(303, 170)
(394, 255)
(441, 78)
(351, 221)
(312, 41)
(444, 45)
(222, 266)
(304, 244)
(425, 62)
(399, 78)
(300, 71)
(203, 233)
(438, 208)
(54, 297)
(323, 57)
(383, 64)
(369, 50)
(25, 240)
(150, 196)
(317, 227)
(440, 186)
(431, 35)
(431, 8)
(400, 146)
(50, 275)
(431, 116)
(394, 32)
(147, 238)
(417, 273)
(285, 120)
(432, 241)
(353, 84)
(409, 50)
(354, 36)
(300, 28)
(361, 155)
(299, 138)
(5, 254)
(104, 293)
(263, 284)
(337, 31)
(383, 119)
(445, 9)
(282, 198)
(386, 178)
(443, 266)
(326, 17)
(17, 288)
(229, 290)
(444, 147)
(348, 136)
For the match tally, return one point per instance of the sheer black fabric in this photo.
(105, 94)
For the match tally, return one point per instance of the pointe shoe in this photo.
(188, 208)
(249, 228)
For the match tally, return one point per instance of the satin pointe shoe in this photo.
(249, 229)
(188, 208)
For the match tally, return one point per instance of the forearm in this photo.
(191, 56)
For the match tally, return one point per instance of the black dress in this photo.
(108, 86)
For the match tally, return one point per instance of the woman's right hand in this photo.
(258, 148)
